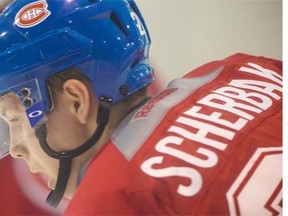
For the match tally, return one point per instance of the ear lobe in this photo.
(77, 96)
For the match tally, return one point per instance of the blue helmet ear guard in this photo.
(106, 39)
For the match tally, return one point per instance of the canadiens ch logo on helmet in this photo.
(32, 14)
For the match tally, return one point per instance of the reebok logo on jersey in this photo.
(214, 122)
(32, 14)
(145, 110)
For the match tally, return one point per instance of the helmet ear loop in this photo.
(65, 158)
(55, 196)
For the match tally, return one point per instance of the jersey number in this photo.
(258, 188)
(138, 23)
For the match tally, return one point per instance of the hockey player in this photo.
(74, 105)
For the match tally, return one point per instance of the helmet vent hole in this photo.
(118, 23)
(134, 64)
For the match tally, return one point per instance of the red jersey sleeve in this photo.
(210, 144)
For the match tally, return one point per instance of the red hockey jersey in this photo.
(210, 144)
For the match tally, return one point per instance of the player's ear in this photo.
(77, 96)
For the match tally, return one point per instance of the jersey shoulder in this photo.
(188, 139)
(226, 87)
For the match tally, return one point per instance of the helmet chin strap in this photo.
(65, 158)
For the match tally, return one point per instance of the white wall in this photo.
(188, 33)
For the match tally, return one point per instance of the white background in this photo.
(188, 33)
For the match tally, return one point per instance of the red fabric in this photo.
(19, 191)
(15, 200)
(175, 172)
(9, 188)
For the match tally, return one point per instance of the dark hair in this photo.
(55, 84)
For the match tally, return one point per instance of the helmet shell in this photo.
(106, 39)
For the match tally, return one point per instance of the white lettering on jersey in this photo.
(263, 87)
(163, 147)
(216, 117)
(246, 195)
(244, 99)
(260, 71)
(228, 104)
(187, 172)
(203, 129)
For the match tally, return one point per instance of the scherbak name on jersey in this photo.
(212, 124)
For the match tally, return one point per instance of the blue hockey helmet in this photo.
(105, 39)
